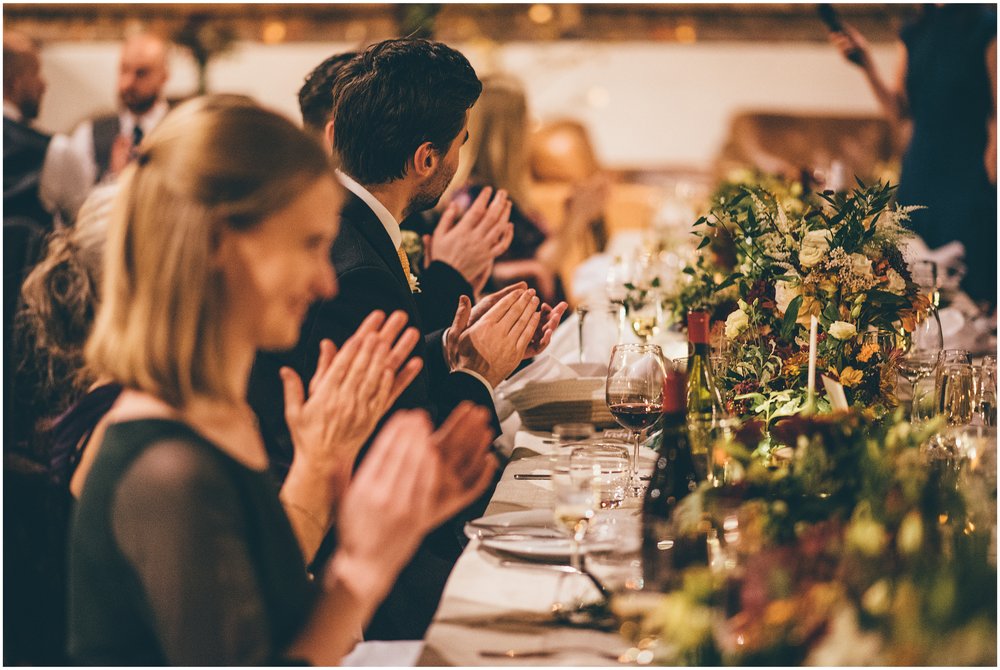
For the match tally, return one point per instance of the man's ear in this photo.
(328, 137)
(425, 160)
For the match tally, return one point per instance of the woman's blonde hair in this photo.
(497, 152)
(214, 162)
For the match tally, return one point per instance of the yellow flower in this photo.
(809, 307)
(850, 377)
(791, 370)
(867, 351)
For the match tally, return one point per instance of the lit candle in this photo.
(813, 326)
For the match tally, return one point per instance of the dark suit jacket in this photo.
(370, 277)
(441, 284)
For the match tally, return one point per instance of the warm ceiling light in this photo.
(274, 32)
(541, 13)
(686, 33)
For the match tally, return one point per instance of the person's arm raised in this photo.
(385, 513)
(892, 95)
(350, 391)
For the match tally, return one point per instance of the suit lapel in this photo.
(364, 219)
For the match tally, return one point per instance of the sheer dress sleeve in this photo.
(178, 520)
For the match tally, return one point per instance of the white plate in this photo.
(557, 547)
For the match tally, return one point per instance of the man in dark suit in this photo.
(458, 256)
(400, 119)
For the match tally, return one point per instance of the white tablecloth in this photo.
(489, 607)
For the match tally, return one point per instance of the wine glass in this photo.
(644, 310)
(634, 394)
(925, 275)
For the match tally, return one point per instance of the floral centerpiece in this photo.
(858, 552)
(833, 256)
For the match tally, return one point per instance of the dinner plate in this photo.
(515, 533)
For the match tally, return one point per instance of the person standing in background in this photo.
(946, 84)
(110, 140)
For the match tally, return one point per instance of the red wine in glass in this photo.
(635, 416)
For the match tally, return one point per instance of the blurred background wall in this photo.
(658, 86)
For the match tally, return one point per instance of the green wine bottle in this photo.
(704, 402)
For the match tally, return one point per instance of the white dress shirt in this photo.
(392, 228)
(82, 138)
(65, 178)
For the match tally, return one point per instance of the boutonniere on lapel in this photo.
(411, 247)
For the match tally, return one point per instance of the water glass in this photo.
(599, 329)
(958, 394)
(986, 392)
(925, 404)
(609, 465)
(947, 358)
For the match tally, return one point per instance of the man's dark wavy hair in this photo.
(395, 96)
(316, 94)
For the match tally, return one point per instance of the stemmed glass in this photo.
(645, 312)
(922, 348)
(634, 394)
(576, 500)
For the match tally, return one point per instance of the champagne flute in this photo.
(634, 394)
(572, 482)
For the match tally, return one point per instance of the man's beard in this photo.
(138, 106)
(29, 109)
(430, 192)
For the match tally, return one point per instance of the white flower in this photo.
(784, 293)
(897, 284)
(781, 221)
(411, 279)
(861, 265)
(815, 244)
(842, 330)
(736, 323)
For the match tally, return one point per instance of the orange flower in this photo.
(850, 377)
(867, 351)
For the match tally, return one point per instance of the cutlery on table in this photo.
(546, 653)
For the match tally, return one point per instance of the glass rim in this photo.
(636, 346)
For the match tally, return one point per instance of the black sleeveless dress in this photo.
(950, 99)
(180, 555)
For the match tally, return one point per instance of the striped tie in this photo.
(405, 262)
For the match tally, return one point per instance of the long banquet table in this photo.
(496, 608)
